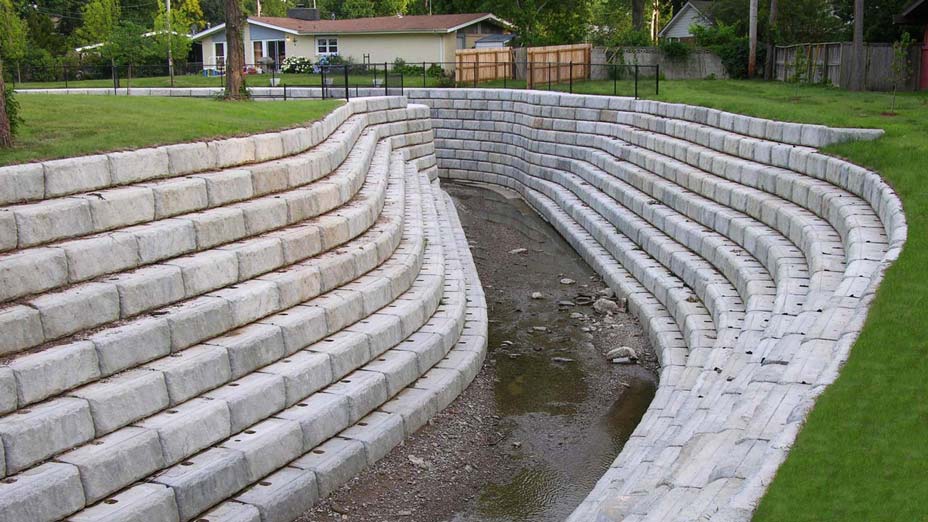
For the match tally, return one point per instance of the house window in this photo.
(259, 51)
(326, 46)
(219, 49)
(277, 49)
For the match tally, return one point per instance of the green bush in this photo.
(435, 71)
(675, 51)
(12, 110)
(730, 47)
(401, 67)
(297, 65)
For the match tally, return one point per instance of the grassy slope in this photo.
(60, 126)
(863, 455)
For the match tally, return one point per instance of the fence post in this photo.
(636, 81)
(571, 75)
(322, 71)
(476, 69)
(549, 76)
(615, 77)
(508, 67)
(65, 76)
(657, 79)
(386, 80)
(423, 74)
(285, 92)
(347, 92)
(115, 79)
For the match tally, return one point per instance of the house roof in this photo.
(702, 7)
(379, 24)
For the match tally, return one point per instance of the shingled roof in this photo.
(379, 24)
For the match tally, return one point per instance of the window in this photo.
(326, 46)
(277, 49)
(259, 52)
(220, 52)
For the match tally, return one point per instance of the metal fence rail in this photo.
(346, 80)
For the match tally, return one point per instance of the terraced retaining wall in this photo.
(227, 330)
(275, 300)
(749, 257)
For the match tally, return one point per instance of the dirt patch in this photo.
(546, 415)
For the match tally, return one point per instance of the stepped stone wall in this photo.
(749, 257)
(228, 330)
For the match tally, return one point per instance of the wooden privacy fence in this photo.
(558, 63)
(481, 65)
(831, 64)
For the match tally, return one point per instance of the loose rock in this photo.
(537, 295)
(606, 306)
(622, 351)
(607, 292)
(567, 281)
(518, 250)
(562, 359)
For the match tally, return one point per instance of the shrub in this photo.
(675, 51)
(401, 67)
(12, 110)
(297, 65)
(731, 48)
(435, 71)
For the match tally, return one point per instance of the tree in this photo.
(100, 19)
(771, 29)
(752, 38)
(235, 51)
(12, 47)
(858, 71)
(901, 69)
(127, 45)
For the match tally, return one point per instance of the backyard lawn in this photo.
(57, 126)
(863, 455)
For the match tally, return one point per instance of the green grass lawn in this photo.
(57, 126)
(863, 455)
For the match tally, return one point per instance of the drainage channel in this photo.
(548, 413)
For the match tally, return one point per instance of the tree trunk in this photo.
(6, 133)
(752, 37)
(856, 82)
(638, 15)
(771, 29)
(235, 51)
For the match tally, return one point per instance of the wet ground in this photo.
(547, 414)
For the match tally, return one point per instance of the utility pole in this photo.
(170, 44)
(259, 7)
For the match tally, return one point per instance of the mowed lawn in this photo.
(58, 126)
(863, 455)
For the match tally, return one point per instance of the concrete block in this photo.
(52, 220)
(232, 511)
(282, 496)
(8, 234)
(32, 271)
(268, 146)
(20, 183)
(270, 177)
(399, 368)
(94, 256)
(232, 152)
(296, 284)
(364, 390)
(133, 344)
(205, 271)
(187, 428)
(250, 301)
(300, 326)
(164, 239)
(138, 165)
(45, 493)
(217, 226)
(321, 416)
(187, 158)
(8, 399)
(110, 463)
(148, 288)
(263, 215)
(267, 445)
(251, 398)
(52, 371)
(227, 186)
(140, 503)
(335, 462)
(198, 320)
(415, 406)
(192, 371)
(251, 347)
(43, 430)
(257, 256)
(72, 175)
(204, 480)
(123, 399)
(347, 351)
(179, 196)
(21, 328)
(379, 432)
(78, 308)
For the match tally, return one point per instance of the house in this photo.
(426, 38)
(694, 12)
(916, 13)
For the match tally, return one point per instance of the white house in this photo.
(426, 38)
(694, 12)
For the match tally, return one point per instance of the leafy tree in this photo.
(12, 47)
(100, 19)
(127, 44)
(235, 51)
(186, 16)
(726, 42)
